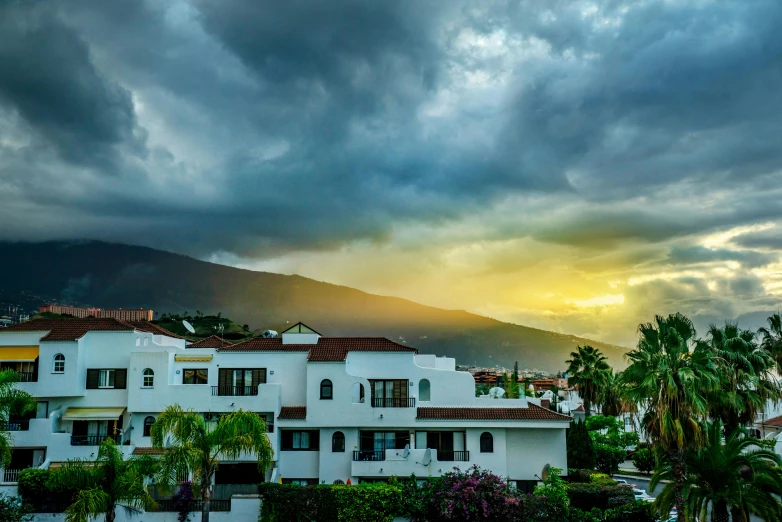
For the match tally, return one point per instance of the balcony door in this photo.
(240, 381)
(389, 393)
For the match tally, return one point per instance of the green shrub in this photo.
(579, 475)
(589, 496)
(634, 511)
(608, 458)
(32, 485)
(644, 460)
(12, 510)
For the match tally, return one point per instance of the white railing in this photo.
(10, 475)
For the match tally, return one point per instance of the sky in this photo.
(569, 165)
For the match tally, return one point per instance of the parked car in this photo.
(623, 482)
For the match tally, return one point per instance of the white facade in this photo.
(415, 401)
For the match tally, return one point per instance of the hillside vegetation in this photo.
(113, 275)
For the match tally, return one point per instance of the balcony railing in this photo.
(22, 425)
(193, 506)
(92, 440)
(369, 455)
(11, 475)
(27, 377)
(393, 403)
(453, 456)
(234, 391)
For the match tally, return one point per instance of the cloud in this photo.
(507, 158)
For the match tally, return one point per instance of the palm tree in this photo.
(13, 403)
(747, 376)
(772, 338)
(195, 446)
(738, 476)
(587, 369)
(613, 400)
(105, 484)
(671, 382)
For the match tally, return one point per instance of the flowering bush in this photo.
(182, 500)
(470, 495)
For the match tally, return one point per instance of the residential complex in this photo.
(123, 314)
(361, 409)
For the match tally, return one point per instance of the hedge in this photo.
(35, 490)
(588, 496)
(289, 502)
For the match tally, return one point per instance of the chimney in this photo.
(545, 403)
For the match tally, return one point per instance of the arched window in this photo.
(487, 442)
(146, 342)
(424, 390)
(148, 378)
(138, 341)
(59, 363)
(326, 389)
(148, 422)
(357, 393)
(338, 442)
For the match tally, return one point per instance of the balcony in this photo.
(27, 377)
(393, 403)
(369, 455)
(234, 391)
(92, 440)
(453, 456)
(23, 425)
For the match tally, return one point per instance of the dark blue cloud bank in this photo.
(264, 128)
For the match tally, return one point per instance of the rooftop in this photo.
(531, 412)
(213, 341)
(293, 413)
(327, 349)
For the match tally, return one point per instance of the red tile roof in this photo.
(532, 412)
(327, 348)
(146, 326)
(212, 341)
(148, 451)
(774, 421)
(70, 329)
(293, 413)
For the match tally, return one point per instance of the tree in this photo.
(580, 448)
(587, 370)
(14, 403)
(105, 484)
(738, 476)
(644, 460)
(196, 446)
(746, 373)
(612, 396)
(771, 339)
(672, 382)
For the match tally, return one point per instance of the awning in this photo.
(193, 358)
(93, 413)
(18, 353)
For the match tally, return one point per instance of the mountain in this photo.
(111, 275)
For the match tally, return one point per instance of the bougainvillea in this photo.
(182, 501)
(472, 495)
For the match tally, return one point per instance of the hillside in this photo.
(114, 275)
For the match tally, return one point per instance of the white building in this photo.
(337, 408)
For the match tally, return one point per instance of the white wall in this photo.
(529, 450)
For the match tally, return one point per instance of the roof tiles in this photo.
(531, 412)
(327, 349)
(212, 341)
(146, 326)
(70, 329)
(293, 413)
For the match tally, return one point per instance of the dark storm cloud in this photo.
(308, 125)
(49, 79)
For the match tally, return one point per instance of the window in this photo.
(326, 389)
(59, 363)
(106, 379)
(148, 422)
(390, 394)
(148, 378)
(424, 390)
(138, 341)
(300, 440)
(300, 482)
(195, 376)
(487, 442)
(239, 381)
(338, 442)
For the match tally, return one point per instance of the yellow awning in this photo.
(93, 413)
(193, 358)
(18, 353)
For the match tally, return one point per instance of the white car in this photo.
(623, 482)
(640, 494)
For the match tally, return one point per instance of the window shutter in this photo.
(120, 379)
(314, 440)
(92, 379)
(35, 370)
(224, 381)
(259, 377)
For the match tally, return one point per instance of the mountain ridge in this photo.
(118, 275)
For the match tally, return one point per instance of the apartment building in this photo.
(123, 314)
(341, 408)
